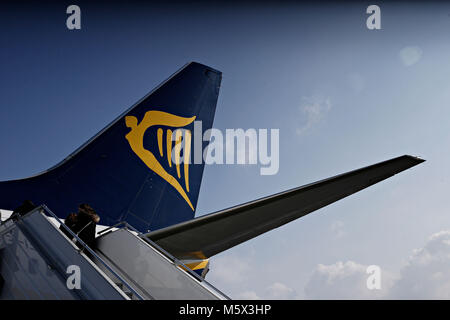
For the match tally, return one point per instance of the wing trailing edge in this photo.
(205, 236)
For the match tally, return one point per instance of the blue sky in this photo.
(342, 96)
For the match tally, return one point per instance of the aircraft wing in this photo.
(205, 236)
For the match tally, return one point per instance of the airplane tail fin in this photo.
(135, 169)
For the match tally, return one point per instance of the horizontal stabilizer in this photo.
(208, 235)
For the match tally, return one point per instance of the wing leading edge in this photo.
(208, 235)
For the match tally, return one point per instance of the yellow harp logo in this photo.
(136, 140)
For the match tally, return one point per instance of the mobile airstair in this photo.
(38, 261)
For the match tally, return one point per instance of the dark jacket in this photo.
(2, 282)
(71, 223)
(24, 208)
(86, 225)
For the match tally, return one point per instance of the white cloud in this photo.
(230, 270)
(314, 108)
(276, 291)
(344, 281)
(235, 276)
(425, 276)
(410, 55)
(247, 295)
(427, 273)
(279, 291)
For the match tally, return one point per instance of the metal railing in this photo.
(45, 210)
(175, 261)
(116, 226)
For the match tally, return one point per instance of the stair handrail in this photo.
(44, 209)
